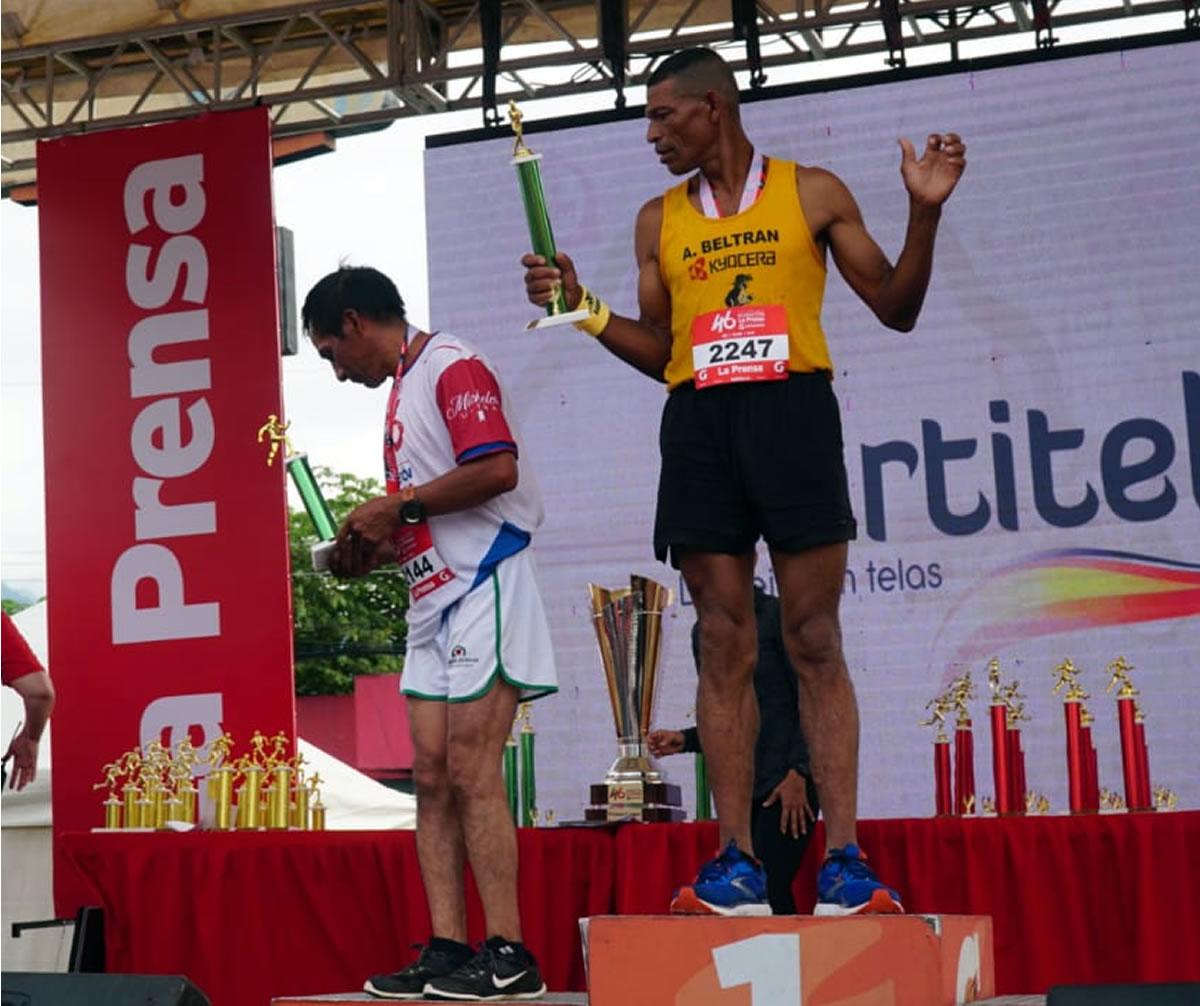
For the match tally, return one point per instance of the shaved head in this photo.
(695, 72)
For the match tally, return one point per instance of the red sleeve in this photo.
(469, 399)
(16, 658)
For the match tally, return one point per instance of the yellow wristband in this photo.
(598, 313)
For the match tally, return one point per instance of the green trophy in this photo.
(528, 769)
(529, 176)
(275, 433)
(703, 792)
(512, 785)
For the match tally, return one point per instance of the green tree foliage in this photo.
(11, 607)
(343, 628)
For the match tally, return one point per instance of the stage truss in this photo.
(336, 66)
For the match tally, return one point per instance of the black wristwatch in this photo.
(412, 510)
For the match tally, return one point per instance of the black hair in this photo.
(366, 290)
(698, 70)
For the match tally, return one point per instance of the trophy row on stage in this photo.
(154, 789)
(954, 792)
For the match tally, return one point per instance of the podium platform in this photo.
(891, 960)
(572, 999)
(550, 999)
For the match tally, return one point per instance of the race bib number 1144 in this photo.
(747, 343)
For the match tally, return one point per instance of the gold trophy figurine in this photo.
(937, 707)
(186, 756)
(1119, 669)
(275, 433)
(131, 792)
(315, 804)
(279, 800)
(299, 809)
(219, 783)
(112, 804)
(1067, 677)
(1165, 799)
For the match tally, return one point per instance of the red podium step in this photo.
(341, 998)
(893, 960)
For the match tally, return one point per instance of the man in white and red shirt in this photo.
(458, 517)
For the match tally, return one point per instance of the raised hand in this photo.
(542, 277)
(932, 178)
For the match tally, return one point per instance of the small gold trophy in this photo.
(275, 434)
(220, 782)
(112, 804)
(315, 804)
(628, 624)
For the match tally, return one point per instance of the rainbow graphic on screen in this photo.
(1068, 589)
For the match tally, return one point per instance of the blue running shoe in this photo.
(848, 886)
(731, 884)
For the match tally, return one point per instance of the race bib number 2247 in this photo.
(746, 343)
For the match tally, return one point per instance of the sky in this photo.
(364, 204)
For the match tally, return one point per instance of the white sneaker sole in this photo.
(686, 902)
(404, 996)
(877, 905)
(432, 994)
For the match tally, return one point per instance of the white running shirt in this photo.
(447, 408)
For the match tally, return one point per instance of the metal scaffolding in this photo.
(335, 66)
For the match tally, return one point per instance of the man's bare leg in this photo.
(810, 590)
(440, 845)
(721, 587)
(477, 733)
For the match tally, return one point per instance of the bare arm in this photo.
(894, 293)
(362, 542)
(37, 692)
(644, 344)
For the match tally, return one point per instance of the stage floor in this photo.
(580, 999)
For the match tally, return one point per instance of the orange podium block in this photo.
(869, 960)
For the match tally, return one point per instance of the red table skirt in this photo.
(1105, 899)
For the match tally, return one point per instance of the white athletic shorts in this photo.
(498, 630)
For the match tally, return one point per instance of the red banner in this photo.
(167, 555)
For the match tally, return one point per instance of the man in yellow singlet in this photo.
(731, 274)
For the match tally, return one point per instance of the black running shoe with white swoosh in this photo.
(501, 971)
(440, 958)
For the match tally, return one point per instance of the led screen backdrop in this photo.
(1025, 465)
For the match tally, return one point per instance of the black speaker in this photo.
(25, 988)
(1173, 994)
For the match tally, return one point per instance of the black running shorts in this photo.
(752, 460)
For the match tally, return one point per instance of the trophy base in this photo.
(551, 320)
(650, 801)
(647, 815)
(320, 553)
